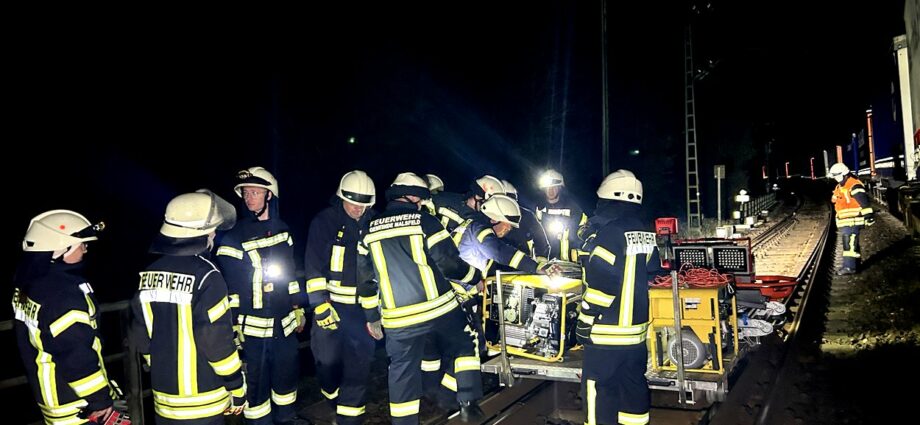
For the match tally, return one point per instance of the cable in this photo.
(693, 277)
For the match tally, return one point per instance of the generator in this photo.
(539, 312)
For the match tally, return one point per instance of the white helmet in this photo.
(197, 214)
(57, 230)
(551, 178)
(408, 184)
(838, 171)
(510, 190)
(621, 185)
(357, 188)
(502, 208)
(435, 184)
(258, 177)
(490, 186)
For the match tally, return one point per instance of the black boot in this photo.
(470, 411)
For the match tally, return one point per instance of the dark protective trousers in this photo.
(343, 363)
(272, 371)
(213, 420)
(439, 380)
(851, 254)
(614, 386)
(405, 346)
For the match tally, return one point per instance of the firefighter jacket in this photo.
(181, 325)
(561, 221)
(257, 258)
(851, 202)
(480, 247)
(451, 209)
(530, 237)
(404, 262)
(55, 321)
(623, 254)
(331, 256)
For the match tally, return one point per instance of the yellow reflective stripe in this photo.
(337, 260)
(393, 313)
(628, 292)
(258, 332)
(604, 254)
(420, 318)
(239, 392)
(370, 302)
(386, 292)
(632, 418)
(187, 370)
(591, 418)
(393, 233)
(59, 413)
(431, 365)
(234, 300)
(316, 284)
(516, 259)
(194, 411)
(69, 318)
(585, 318)
(267, 242)
(289, 323)
(584, 219)
(400, 410)
(228, 365)
(417, 243)
(343, 299)
(261, 322)
(857, 190)
(230, 252)
(619, 330)
(867, 210)
(449, 382)
(331, 395)
(46, 369)
(361, 249)
(564, 245)
(284, 399)
(336, 287)
(256, 412)
(600, 298)
(450, 214)
(617, 340)
(90, 384)
(146, 359)
(437, 237)
(256, 261)
(462, 364)
(293, 287)
(483, 233)
(349, 411)
(218, 310)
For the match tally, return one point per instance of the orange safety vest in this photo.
(849, 212)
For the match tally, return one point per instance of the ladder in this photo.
(694, 212)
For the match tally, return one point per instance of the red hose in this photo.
(693, 277)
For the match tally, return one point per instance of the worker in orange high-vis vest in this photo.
(853, 211)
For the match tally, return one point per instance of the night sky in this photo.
(116, 118)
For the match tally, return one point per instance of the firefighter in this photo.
(560, 215)
(853, 209)
(257, 258)
(435, 184)
(614, 316)
(530, 236)
(342, 348)
(181, 321)
(453, 209)
(55, 321)
(404, 262)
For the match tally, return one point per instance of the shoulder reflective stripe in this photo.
(380, 264)
(596, 297)
(431, 365)
(267, 242)
(420, 318)
(437, 237)
(230, 252)
(516, 259)
(218, 310)
(449, 382)
(349, 410)
(417, 243)
(90, 384)
(337, 260)
(228, 366)
(370, 302)
(316, 284)
(465, 363)
(632, 419)
(68, 319)
(604, 254)
(483, 233)
(293, 287)
(256, 412)
(450, 214)
(401, 410)
(393, 233)
(628, 292)
(187, 370)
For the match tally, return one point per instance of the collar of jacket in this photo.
(397, 205)
(165, 245)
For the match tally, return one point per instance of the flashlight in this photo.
(273, 270)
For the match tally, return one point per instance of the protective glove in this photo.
(870, 219)
(326, 317)
(301, 320)
(375, 329)
(585, 321)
